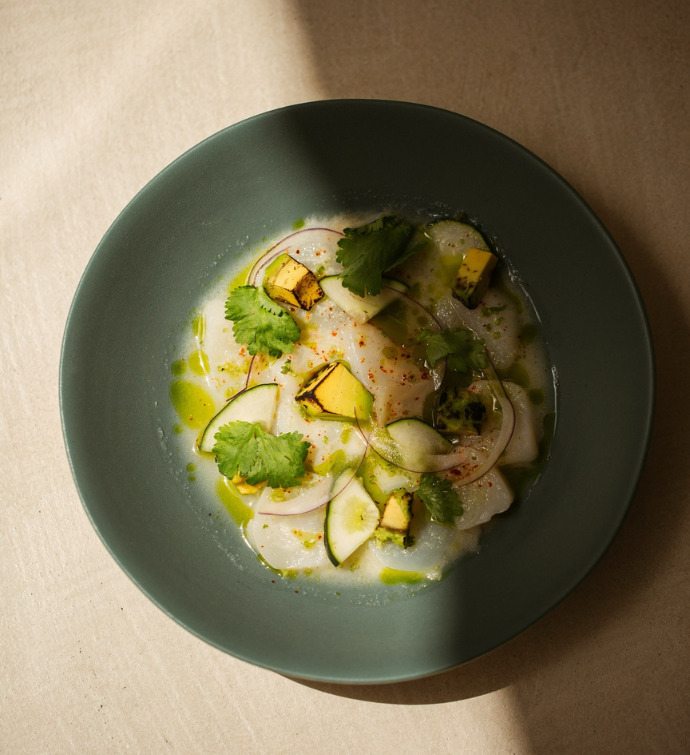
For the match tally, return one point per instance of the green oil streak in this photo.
(399, 577)
(298, 224)
(241, 278)
(232, 500)
(199, 327)
(536, 396)
(194, 406)
(335, 463)
(517, 373)
(529, 333)
(198, 362)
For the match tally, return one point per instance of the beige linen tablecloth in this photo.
(96, 99)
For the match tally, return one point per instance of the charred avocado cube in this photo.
(474, 276)
(459, 411)
(289, 281)
(335, 393)
(395, 521)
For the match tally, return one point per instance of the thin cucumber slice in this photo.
(361, 308)
(351, 519)
(381, 478)
(414, 436)
(414, 446)
(256, 404)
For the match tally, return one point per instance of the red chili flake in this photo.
(361, 342)
(296, 251)
(334, 332)
(425, 375)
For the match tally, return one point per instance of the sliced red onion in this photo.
(311, 498)
(307, 500)
(445, 462)
(412, 300)
(249, 373)
(438, 371)
(278, 248)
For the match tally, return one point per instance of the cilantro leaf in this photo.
(368, 251)
(246, 449)
(259, 322)
(462, 350)
(441, 500)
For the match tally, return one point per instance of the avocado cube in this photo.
(289, 281)
(459, 412)
(395, 521)
(244, 487)
(335, 393)
(474, 276)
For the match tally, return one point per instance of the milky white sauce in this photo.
(217, 368)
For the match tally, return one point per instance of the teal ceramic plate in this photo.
(251, 181)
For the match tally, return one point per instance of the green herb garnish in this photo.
(247, 450)
(441, 500)
(366, 252)
(462, 350)
(260, 323)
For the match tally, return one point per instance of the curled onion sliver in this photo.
(278, 249)
(445, 462)
(411, 299)
(311, 498)
(438, 371)
(249, 372)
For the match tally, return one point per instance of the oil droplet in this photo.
(232, 500)
(517, 373)
(192, 403)
(198, 363)
(178, 429)
(178, 367)
(298, 224)
(536, 396)
(528, 333)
